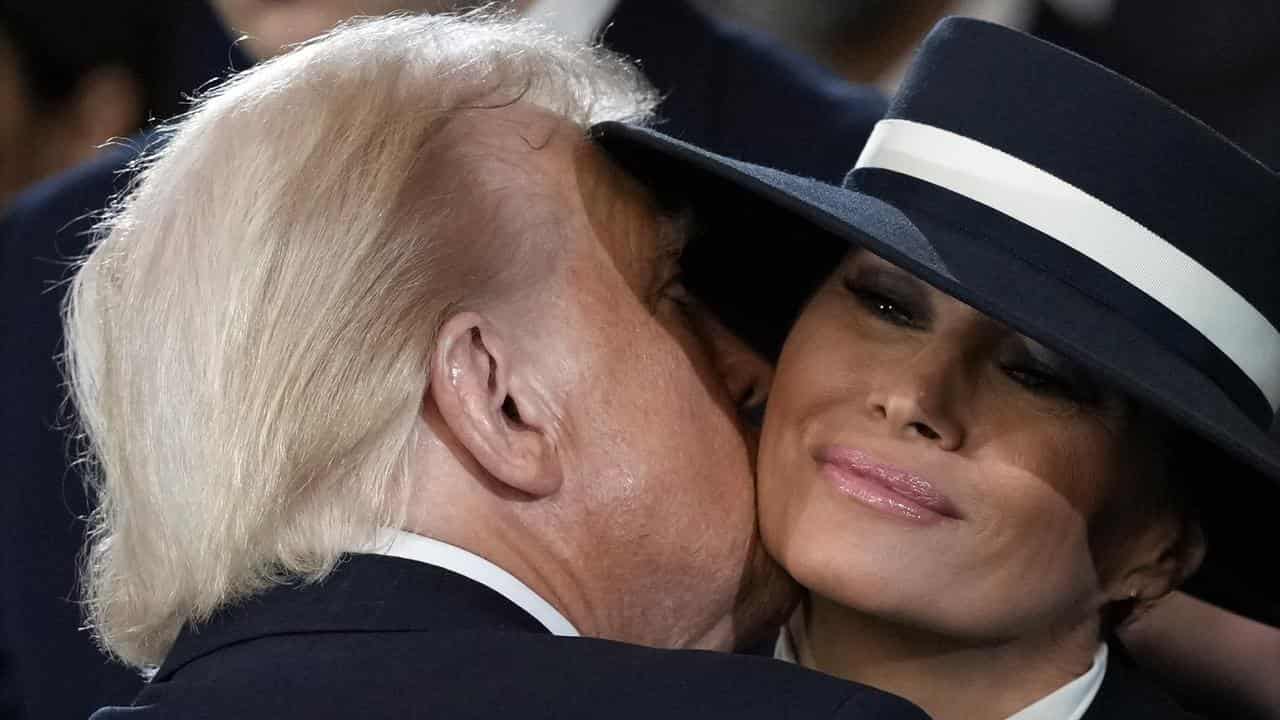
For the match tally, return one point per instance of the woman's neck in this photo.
(949, 679)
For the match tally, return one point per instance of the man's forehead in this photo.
(529, 159)
(639, 231)
(510, 162)
(519, 136)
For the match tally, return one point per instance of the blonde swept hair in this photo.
(247, 341)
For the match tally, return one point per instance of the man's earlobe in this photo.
(474, 383)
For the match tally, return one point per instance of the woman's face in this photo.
(924, 463)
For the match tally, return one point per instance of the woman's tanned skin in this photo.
(1031, 524)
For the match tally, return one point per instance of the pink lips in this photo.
(886, 488)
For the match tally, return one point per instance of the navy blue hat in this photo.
(1067, 202)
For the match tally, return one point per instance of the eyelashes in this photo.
(887, 305)
(1070, 382)
(899, 301)
(1037, 379)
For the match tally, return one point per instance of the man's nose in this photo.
(919, 399)
(746, 374)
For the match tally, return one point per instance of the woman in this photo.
(970, 511)
(1032, 400)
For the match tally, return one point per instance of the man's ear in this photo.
(474, 382)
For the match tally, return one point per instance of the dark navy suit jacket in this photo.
(726, 89)
(386, 637)
(1127, 693)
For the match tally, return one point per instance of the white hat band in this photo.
(1091, 227)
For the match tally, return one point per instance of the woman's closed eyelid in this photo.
(1047, 373)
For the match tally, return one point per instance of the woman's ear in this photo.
(474, 383)
(1168, 553)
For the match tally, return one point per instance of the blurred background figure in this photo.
(871, 41)
(74, 74)
(1220, 61)
(269, 27)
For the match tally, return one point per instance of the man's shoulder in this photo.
(389, 637)
(482, 674)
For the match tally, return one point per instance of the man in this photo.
(722, 88)
(420, 393)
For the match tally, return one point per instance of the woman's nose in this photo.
(917, 400)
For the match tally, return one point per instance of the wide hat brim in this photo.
(780, 234)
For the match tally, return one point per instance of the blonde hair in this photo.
(247, 342)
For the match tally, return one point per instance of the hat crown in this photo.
(1101, 133)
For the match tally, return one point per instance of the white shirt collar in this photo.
(406, 545)
(577, 20)
(784, 649)
(1069, 702)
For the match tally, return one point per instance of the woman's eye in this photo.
(882, 306)
(1042, 381)
(1034, 378)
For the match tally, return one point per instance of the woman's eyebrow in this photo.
(892, 278)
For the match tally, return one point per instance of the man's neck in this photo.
(948, 679)
(524, 561)
(553, 559)
(412, 546)
(549, 548)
